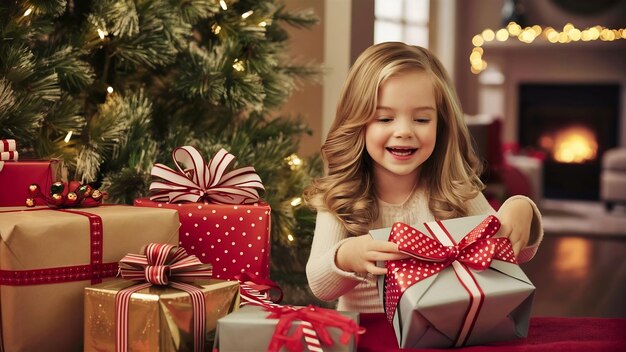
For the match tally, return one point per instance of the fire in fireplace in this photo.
(575, 144)
(573, 125)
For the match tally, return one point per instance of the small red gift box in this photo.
(16, 176)
(223, 220)
(233, 238)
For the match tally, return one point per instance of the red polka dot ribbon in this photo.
(197, 181)
(430, 256)
(161, 264)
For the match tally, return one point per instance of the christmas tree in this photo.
(113, 86)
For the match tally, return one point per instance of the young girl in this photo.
(398, 150)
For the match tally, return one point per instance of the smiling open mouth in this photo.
(402, 151)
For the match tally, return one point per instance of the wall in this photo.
(307, 46)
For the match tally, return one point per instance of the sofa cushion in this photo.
(614, 159)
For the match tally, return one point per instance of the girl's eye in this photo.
(422, 119)
(384, 119)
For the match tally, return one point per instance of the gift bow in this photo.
(429, 256)
(196, 180)
(159, 266)
(257, 290)
(315, 322)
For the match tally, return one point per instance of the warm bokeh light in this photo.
(502, 35)
(488, 35)
(574, 145)
(293, 161)
(296, 201)
(574, 34)
(478, 40)
(238, 65)
(572, 257)
(548, 34)
(514, 29)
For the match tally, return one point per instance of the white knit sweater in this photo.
(358, 293)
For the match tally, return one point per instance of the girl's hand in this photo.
(359, 254)
(516, 217)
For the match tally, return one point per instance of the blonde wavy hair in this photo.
(452, 171)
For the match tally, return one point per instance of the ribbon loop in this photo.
(315, 321)
(157, 274)
(476, 249)
(197, 181)
(160, 265)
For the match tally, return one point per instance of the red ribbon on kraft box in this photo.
(94, 271)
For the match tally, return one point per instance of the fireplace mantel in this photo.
(512, 63)
(543, 44)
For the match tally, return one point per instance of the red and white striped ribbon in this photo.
(160, 264)
(9, 156)
(251, 296)
(196, 180)
(7, 145)
(465, 276)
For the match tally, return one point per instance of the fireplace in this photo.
(573, 125)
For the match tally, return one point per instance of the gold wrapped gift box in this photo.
(159, 317)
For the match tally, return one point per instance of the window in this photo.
(402, 20)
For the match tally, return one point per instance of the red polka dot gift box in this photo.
(461, 286)
(233, 238)
(223, 220)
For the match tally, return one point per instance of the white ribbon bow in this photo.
(196, 180)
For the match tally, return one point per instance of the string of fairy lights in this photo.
(292, 160)
(238, 64)
(536, 33)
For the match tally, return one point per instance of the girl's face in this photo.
(402, 134)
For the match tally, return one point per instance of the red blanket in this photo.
(545, 334)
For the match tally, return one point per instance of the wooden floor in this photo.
(579, 276)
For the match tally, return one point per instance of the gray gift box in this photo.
(248, 330)
(430, 313)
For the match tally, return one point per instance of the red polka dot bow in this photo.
(429, 256)
(197, 180)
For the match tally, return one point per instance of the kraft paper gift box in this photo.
(159, 317)
(16, 176)
(252, 321)
(47, 258)
(462, 304)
